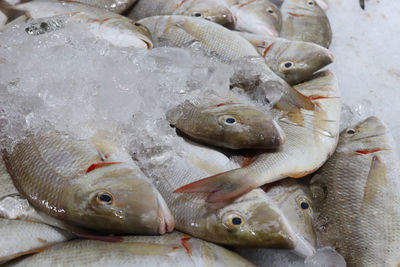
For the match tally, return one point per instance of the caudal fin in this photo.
(222, 187)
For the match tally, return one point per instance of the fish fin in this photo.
(375, 183)
(294, 100)
(221, 187)
(11, 11)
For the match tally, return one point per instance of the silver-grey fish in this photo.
(228, 125)
(304, 20)
(117, 6)
(175, 249)
(294, 61)
(357, 196)
(88, 184)
(311, 137)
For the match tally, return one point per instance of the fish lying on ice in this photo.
(170, 250)
(213, 10)
(20, 238)
(357, 196)
(293, 61)
(87, 184)
(112, 27)
(228, 125)
(311, 137)
(304, 20)
(117, 6)
(182, 31)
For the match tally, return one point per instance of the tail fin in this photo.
(221, 187)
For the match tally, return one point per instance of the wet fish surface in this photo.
(311, 137)
(293, 61)
(117, 6)
(229, 125)
(357, 196)
(305, 21)
(172, 249)
(94, 185)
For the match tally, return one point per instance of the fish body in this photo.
(311, 137)
(116, 29)
(23, 238)
(3, 19)
(117, 6)
(357, 197)
(228, 125)
(305, 21)
(182, 31)
(172, 249)
(213, 10)
(293, 61)
(91, 185)
(257, 16)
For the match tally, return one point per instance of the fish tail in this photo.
(222, 187)
(12, 11)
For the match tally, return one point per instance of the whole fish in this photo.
(117, 6)
(293, 61)
(112, 27)
(213, 10)
(170, 250)
(305, 21)
(22, 238)
(182, 31)
(228, 125)
(257, 16)
(311, 137)
(252, 220)
(295, 200)
(87, 184)
(357, 196)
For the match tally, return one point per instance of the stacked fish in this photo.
(56, 187)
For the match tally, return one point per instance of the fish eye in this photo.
(350, 131)
(237, 221)
(197, 14)
(270, 10)
(232, 221)
(310, 3)
(105, 198)
(138, 24)
(230, 120)
(288, 65)
(305, 204)
(227, 120)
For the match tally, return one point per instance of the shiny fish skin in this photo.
(213, 10)
(65, 177)
(116, 29)
(311, 137)
(251, 128)
(173, 249)
(304, 58)
(305, 21)
(21, 238)
(181, 31)
(262, 223)
(257, 16)
(357, 197)
(117, 6)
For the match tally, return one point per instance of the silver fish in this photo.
(117, 6)
(311, 137)
(357, 196)
(305, 21)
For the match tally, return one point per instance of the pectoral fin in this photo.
(375, 184)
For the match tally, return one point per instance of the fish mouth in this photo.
(303, 248)
(148, 43)
(280, 134)
(166, 220)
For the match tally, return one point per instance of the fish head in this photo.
(251, 220)
(260, 17)
(368, 135)
(213, 12)
(295, 200)
(117, 200)
(297, 61)
(233, 126)
(303, 7)
(143, 34)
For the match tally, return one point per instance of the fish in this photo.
(3, 19)
(252, 220)
(117, 6)
(257, 16)
(228, 125)
(294, 198)
(311, 138)
(88, 184)
(172, 249)
(293, 61)
(24, 238)
(357, 196)
(362, 4)
(114, 28)
(213, 10)
(305, 21)
(182, 31)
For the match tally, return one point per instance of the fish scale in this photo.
(360, 207)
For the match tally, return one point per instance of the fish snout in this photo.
(279, 135)
(166, 220)
(303, 247)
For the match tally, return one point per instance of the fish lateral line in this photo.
(100, 165)
(186, 245)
